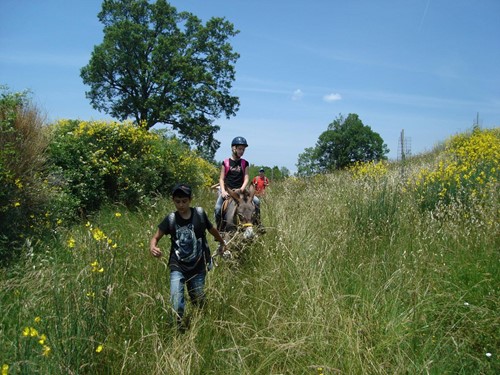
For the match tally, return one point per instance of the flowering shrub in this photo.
(49, 173)
(109, 161)
(468, 169)
(183, 164)
(369, 170)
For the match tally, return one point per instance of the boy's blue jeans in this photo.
(196, 291)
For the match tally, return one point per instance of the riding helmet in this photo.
(239, 141)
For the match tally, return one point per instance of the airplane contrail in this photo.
(423, 15)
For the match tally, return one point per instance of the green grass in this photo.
(351, 277)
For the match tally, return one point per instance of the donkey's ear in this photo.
(233, 194)
(251, 191)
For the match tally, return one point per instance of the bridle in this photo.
(246, 225)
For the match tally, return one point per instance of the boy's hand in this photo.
(155, 251)
(222, 247)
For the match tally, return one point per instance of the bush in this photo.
(28, 202)
(466, 172)
(102, 162)
(183, 164)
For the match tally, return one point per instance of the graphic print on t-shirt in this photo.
(188, 248)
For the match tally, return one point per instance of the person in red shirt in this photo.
(260, 182)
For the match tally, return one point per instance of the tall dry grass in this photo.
(24, 130)
(353, 276)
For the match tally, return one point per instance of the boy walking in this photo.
(190, 257)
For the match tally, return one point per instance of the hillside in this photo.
(380, 269)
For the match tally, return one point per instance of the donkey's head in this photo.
(245, 210)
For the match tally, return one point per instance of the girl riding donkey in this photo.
(233, 181)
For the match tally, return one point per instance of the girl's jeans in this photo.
(196, 291)
(218, 210)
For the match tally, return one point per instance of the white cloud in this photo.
(297, 94)
(333, 97)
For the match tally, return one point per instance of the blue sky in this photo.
(425, 66)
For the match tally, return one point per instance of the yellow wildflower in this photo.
(17, 204)
(38, 319)
(95, 267)
(5, 369)
(117, 214)
(30, 331)
(71, 242)
(99, 349)
(46, 350)
(98, 234)
(42, 339)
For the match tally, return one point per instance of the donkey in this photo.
(239, 213)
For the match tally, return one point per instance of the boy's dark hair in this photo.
(182, 191)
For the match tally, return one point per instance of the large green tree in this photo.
(308, 164)
(157, 65)
(345, 142)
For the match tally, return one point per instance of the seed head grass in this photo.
(353, 275)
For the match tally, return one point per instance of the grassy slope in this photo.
(351, 277)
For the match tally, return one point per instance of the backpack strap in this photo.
(171, 223)
(199, 217)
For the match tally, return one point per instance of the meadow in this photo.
(388, 268)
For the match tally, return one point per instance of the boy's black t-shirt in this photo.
(235, 176)
(183, 226)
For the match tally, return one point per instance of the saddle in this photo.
(225, 205)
